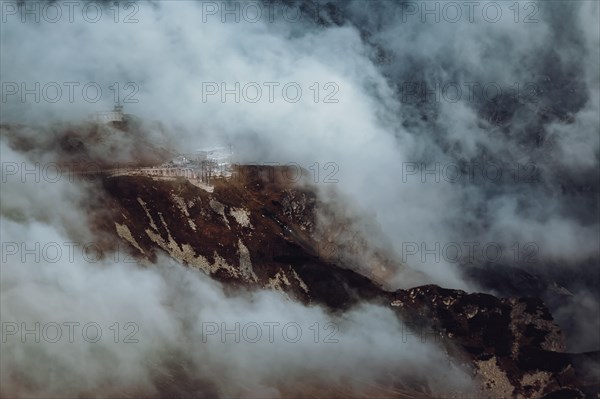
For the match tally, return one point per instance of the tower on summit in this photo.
(116, 115)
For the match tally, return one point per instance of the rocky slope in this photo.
(259, 230)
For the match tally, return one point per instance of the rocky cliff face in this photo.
(259, 230)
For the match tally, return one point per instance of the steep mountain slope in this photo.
(258, 230)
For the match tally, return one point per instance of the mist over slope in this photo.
(466, 149)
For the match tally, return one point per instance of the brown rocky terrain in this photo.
(259, 230)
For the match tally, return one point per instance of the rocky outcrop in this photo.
(516, 349)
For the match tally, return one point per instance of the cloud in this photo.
(176, 52)
(176, 333)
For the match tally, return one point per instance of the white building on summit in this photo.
(202, 165)
(219, 156)
(212, 162)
